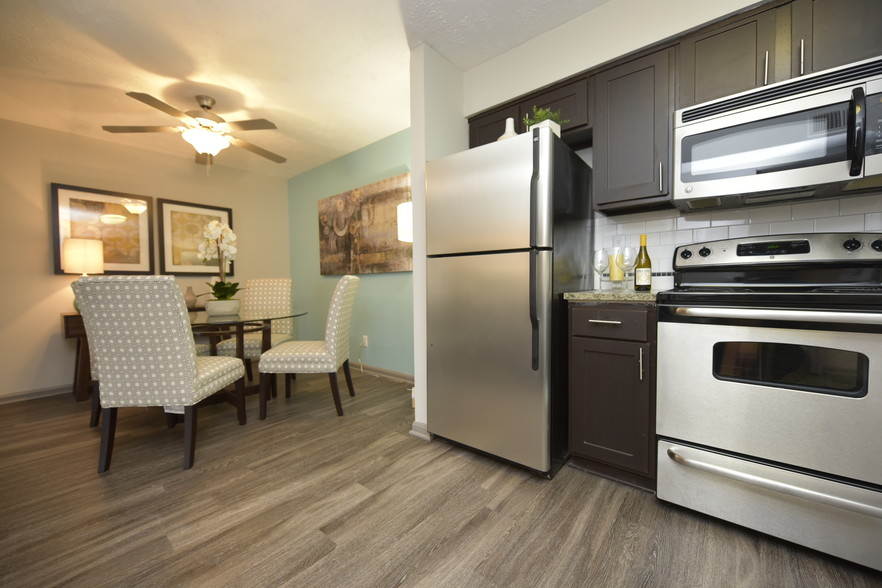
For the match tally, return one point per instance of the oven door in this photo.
(787, 386)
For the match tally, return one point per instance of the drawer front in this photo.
(610, 322)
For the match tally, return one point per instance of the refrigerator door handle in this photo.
(534, 310)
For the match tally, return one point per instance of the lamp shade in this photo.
(82, 256)
(405, 222)
(205, 141)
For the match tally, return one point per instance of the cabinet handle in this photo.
(604, 322)
(801, 56)
(640, 361)
(661, 171)
(766, 70)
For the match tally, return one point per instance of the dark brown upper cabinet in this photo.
(830, 33)
(570, 97)
(633, 105)
(735, 56)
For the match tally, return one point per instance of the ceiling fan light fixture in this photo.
(134, 206)
(205, 141)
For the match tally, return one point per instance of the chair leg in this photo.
(335, 390)
(96, 405)
(273, 384)
(288, 378)
(108, 431)
(248, 372)
(240, 400)
(171, 419)
(348, 375)
(189, 436)
(264, 392)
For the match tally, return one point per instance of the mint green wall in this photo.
(384, 305)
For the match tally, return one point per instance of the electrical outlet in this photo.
(364, 341)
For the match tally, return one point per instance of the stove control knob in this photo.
(686, 254)
(852, 245)
(877, 245)
(704, 252)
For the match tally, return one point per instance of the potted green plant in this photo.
(220, 244)
(545, 117)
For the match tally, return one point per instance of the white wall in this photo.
(36, 358)
(603, 34)
(437, 129)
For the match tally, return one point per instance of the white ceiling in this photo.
(333, 75)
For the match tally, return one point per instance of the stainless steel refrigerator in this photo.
(509, 230)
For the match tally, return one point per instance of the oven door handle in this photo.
(812, 316)
(775, 485)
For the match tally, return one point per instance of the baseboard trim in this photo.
(421, 430)
(377, 371)
(34, 394)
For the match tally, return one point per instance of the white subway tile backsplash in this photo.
(724, 218)
(694, 221)
(753, 230)
(854, 222)
(873, 221)
(817, 209)
(660, 225)
(714, 234)
(860, 204)
(770, 214)
(788, 227)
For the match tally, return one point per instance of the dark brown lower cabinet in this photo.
(612, 390)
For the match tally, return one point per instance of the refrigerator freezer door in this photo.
(482, 389)
(479, 200)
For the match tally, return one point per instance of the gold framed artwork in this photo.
(123, 222)
(358, 229)
(181, 228)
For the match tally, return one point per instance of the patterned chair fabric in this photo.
(265, 296)
(139, 334)
(310, 357)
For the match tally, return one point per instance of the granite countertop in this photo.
(611, 296)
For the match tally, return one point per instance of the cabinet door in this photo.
(610, 383)
(730, 59)
(572, 101)
(830, 33)
(487, 128)
(632, 122)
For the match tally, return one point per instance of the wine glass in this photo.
(601, 262)
(626, 259)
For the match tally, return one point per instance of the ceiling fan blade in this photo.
(255, 124)
(125, 129)
(255, 149)
(160, 105)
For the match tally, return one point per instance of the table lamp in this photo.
(82, 256)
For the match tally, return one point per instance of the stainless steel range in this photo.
(770, 388)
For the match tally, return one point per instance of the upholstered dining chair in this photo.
(311, 357)
(140, 336)
(266, 296)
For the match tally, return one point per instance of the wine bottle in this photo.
(643, 269)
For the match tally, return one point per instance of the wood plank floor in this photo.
(309, 499)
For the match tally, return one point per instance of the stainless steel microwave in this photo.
(814, 136)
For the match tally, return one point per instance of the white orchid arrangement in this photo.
(220, 244)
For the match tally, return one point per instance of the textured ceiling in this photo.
(333, 75)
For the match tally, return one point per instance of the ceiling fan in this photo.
(204, 130)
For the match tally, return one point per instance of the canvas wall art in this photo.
(358, 229)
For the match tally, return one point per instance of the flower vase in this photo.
(221, 307)
(509, 130)
(555, 128)
(190, 297)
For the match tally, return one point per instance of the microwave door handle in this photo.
(856, 134)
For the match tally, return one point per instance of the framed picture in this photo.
(358, 230)
(123, 222)
(181, 228)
